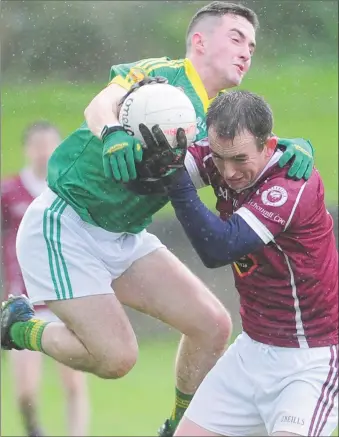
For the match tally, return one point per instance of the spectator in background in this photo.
(40, 139)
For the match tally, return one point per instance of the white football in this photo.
(162, 104)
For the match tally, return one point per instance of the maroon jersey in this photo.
(289, 289)
(17, 193)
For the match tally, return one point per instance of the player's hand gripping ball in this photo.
(121, 149)
(161, 164)
(120, 153)
(152, 102)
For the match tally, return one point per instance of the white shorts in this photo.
(63, 257)
(257, 389)
(46, 315)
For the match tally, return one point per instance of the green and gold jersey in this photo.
(75, 170)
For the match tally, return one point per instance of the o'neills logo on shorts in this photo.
(292, 419)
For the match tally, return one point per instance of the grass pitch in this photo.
(135, 405)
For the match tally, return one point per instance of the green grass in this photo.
(135, 405)
(132, 406)
(304, 100)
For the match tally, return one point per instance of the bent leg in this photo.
(161, 286)
(62, 265)
(95, 336)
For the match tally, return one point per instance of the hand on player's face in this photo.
(239, 161)
(230, 48)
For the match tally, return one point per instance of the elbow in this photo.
(93, 107)
(87, 111)
(208, 256)
(211, 263)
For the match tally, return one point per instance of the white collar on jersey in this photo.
(34, 185)
(275, 158)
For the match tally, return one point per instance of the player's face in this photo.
(39, 147)
(229, 49)
(240, 162)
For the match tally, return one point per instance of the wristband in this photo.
(109, 130)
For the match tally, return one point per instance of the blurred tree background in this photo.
(56, 55)
(82, 39)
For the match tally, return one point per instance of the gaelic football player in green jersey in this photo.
(83, 246)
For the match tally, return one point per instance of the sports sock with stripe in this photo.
(182, 401)
(28, 335)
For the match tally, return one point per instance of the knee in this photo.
(224, 327)
(118, 364)
(218, 325)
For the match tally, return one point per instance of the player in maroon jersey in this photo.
(280, 377)
(17, 192)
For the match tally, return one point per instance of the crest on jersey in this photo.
(245, 265)
(274, 196)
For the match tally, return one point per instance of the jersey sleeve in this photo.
(126, 75)
(195, 162)
(271, 209)
(216, 241)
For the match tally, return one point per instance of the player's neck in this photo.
(206, 76)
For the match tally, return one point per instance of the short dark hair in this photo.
(219, 9)
(38, 126)
(234, 112)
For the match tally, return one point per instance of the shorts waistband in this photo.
(49, 196)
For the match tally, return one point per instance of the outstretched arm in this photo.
(217, 242)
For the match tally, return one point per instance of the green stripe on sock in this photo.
(182, 401)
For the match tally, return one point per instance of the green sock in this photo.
(182, 401)
(27, 335)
